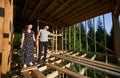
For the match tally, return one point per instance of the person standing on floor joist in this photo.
(43, 41)
(27, 46)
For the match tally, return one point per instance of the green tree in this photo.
(100, 36)
(91, 35)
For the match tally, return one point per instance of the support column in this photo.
(2, 10)
(56, 44)
(116, 32)
(62, 40)
(74, 37)
(69, 45)
(7, 36)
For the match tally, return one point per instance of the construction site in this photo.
(85, 50)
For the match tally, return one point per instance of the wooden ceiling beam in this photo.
(88, 6)
(35, 10)
(60, 8)
(87, 10)
(52, 22)
(68, 9)
(47, 9)
(117, 8)
(24, 8)
(92, 14)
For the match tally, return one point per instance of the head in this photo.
(46, 27)
(29, 26)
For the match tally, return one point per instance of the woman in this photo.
(27, 46)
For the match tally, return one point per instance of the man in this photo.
(43, 41)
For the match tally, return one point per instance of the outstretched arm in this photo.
(55, 34)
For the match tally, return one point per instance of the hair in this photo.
(26, 27)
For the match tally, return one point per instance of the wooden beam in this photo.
(116, 32)
(68, 9)
(24, 8)
(37, 74)
(2, 10)
(28, 68)
(91, 13)
(103, 67)
(6, 42)
(35, 10)
(69, 72)
(49, 7)
(85, 10)
(116, 8)
(61, 7)
(26, 74)
(69, 44)
(74, 37)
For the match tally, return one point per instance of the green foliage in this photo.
(17, 38)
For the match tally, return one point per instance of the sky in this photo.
(108, 21)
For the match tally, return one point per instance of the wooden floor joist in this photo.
(37, 74)
(66, 71)
(105, 68)
(28, 68)
(26, 74)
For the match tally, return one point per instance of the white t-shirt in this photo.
(44, 35)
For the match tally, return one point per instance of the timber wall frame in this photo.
(6, 35)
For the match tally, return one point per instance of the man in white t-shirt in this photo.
(43, 41)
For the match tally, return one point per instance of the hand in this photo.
(21, 46)
(60, 34)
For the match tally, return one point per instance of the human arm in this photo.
(37, 38)
(22, 40)
(34, 37)
(55, 34)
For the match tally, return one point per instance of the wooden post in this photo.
(86, 36)
(116, 32)
(74, 36)
(53, 40)
(65, 39)
(56, 40)
(94, 34)
(7, 36)
(2, 10)
(38, 39)
(80, 36)
(62, 40)
(69, 45)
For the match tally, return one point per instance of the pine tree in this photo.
(91, 35)
(100, 36)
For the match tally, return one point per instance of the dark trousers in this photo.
(41, 45)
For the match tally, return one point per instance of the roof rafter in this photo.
(68, 9)
(60, 8)
(84, 11)
(35, 10)
(91, 14)
(24, 8)
(75, 11)
(48, 7)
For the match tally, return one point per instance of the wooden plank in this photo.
(74, 74)
(103, 67)
(26, 74)
(37, 74)
(28, 68)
